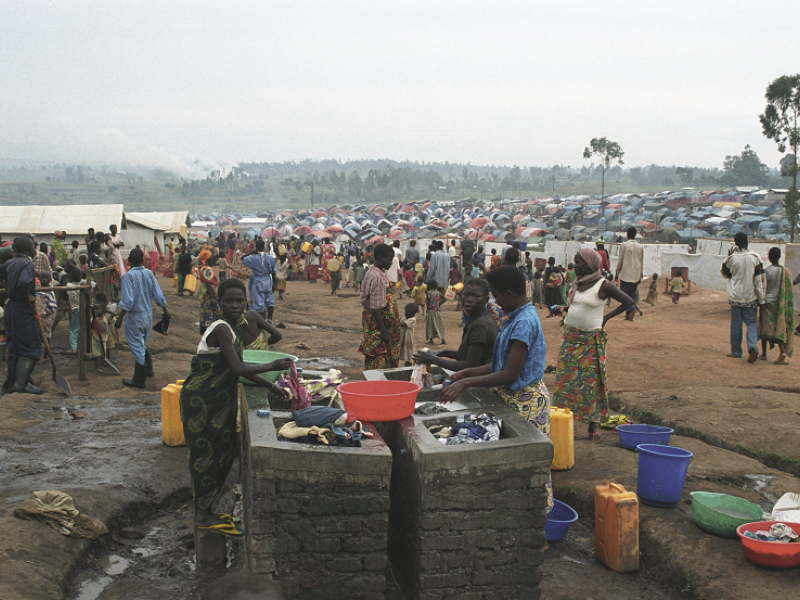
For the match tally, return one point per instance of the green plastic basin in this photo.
(257, 357)
(721, 514)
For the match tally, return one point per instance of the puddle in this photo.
(758, 483)
(116, 565)
(91, 590)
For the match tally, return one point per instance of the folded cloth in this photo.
(57, 509)
(317, 415)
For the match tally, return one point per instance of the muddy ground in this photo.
(103, 446)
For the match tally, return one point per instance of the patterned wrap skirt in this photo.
(378, 354)
(581, 374)
(533, 403)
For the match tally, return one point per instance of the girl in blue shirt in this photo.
(519, 354)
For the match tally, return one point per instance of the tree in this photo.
(779, 124)
(745, 169)
(609, 153)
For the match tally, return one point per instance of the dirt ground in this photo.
(668, 366)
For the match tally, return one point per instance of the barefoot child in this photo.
(281, 275)
(101, 319)
(419, 294)
(676, 286)
(407, 326)
(652, 293)
(434, 326)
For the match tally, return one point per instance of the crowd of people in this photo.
(502, 344)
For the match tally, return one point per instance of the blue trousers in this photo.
(748, 316)
(137, 332)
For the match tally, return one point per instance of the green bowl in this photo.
(257, 357)
(721, 514)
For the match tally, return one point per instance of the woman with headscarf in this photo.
(581, 369)
(207, 292)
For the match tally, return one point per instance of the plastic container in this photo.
(306, 247)
(171, 424)
(380, 400)
(559, 521)
(721, 514)
(631, 436)
(781, 555)
(190, 284)
(616, 527)
(662, 473)
(257, 357)
(562, 434)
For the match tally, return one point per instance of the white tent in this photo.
(151, 230)
(44, 221)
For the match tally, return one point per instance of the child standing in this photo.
(676, 286)
(434, 326)
(101, 320)
(46, 304)
(75, 310)
(652, 293)
(358, 274)
(407, 326)
(281, 274)
(538, 290)
(419, 294)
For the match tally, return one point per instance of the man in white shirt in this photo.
(439, 267)
(630, 268)
(746, 291)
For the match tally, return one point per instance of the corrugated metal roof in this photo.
(170, 222)
(72, 218)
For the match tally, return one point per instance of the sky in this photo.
(189, 85)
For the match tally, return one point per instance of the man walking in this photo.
(138, 290)
(260, 285)
(412, 254)
(746, 291)
(22, 332)
(630, 267)
(439, 268)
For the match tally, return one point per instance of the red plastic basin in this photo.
(380, 400)
(769, 554)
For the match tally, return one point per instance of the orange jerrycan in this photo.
(616, 527)
(562, 434)
(171, 425)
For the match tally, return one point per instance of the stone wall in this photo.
(467, 522)
(317, 517)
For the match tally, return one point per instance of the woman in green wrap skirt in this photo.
(209, 405)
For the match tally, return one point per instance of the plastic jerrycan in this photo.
(562, 434)
(616, 527)
(171, 425)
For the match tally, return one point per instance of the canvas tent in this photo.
(43, 221)
(152, 230)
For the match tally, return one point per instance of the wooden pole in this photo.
(83, 330)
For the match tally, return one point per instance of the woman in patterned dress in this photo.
(209, 405)
(380, 319)
(581, 369)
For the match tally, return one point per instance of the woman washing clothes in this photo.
(516, 371)
(581, 369)
(209, 404)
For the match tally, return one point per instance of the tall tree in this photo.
(779, 124)
(609, 153)
(745, 169)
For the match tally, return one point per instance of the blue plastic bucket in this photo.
(630, 436)
(662, 473)
(559, 520)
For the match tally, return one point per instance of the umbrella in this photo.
(478, 222)
(395, 233)
(375, 239)
(302, 230)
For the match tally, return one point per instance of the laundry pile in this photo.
(468, 429)
(779, 532)
(324, 425)
(304, 392)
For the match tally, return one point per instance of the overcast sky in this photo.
(493, 82)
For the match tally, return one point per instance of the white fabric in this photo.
(203, 347)
(586, 309)
(392, 272)
(630, 263)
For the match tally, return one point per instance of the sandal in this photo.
(762, 357)
(227, 529)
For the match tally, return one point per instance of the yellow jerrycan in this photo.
(171, 425)
(562, 434)
(616, 527)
